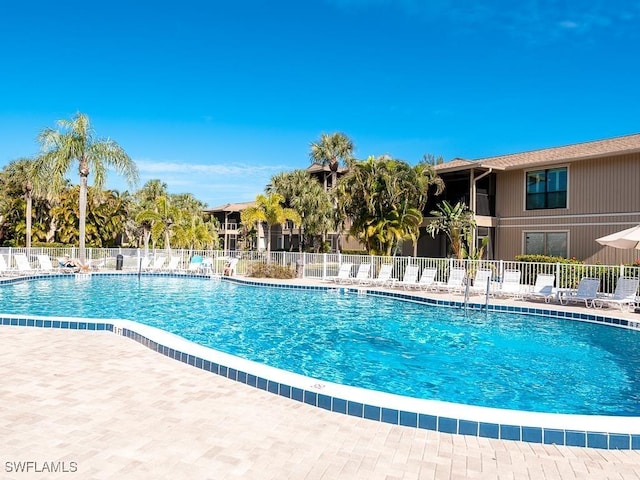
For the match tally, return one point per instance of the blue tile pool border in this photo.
(408, 419)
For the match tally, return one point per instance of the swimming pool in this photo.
(507, 361)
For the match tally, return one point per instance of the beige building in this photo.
(553, 201)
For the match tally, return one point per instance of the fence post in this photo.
(324, 266)
(558, 275)
(622, 270)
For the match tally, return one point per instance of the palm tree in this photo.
(162, 217)
(269, 209)
(75, 141)
(384, 198)
(330, 150)
(456, 222)
(304, 194)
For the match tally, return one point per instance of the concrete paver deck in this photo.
(114, 409)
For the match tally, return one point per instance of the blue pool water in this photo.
(497, 360)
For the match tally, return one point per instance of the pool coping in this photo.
(593, 431)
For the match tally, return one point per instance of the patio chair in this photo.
(229, 268)
(543, 288)
(362, 275)
(23, 263)
(455, 282)
(344, 272)
(511, 286)
(4, 268)
(427, 279)
(480, 279)
(195, 263)
(173, 265)
(410, 277)
(157, 263)
(624, 295)
(586, 292)
(144, 264)
(46, 266)
(384, 277)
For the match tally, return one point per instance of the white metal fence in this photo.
(322, 265)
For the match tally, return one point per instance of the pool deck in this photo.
(119, 410)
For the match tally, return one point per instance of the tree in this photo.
(268, 209)
(457, 223)
(305, 194)
(145, 200)
(330, 150)
(75, 141)
(162, 216)
(384, 198)
(24, 203)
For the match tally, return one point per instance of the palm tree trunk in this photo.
(28, 219)
(82, 216)
(268, 243)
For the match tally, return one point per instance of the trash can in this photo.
(119, 262)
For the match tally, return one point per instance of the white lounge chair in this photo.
(480, 280)
(157, 264)
(344, 272)
(427, 279)
(23, 263)
(144, 264)
(362, 275)
(46, 266)
(511, 286)
(624, 295)
(195, 263)
(230, 267)
(384, 278)
(174, 263)
(4, 268)
(586, 292)
(455, 282)
(543, 288)
(410, 277)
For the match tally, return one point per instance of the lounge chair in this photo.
(362, 275)
(144, 264)
(455, 282)
(344, 273)
(427, 279)
(543, 288)
(46, 266)
(4, 268)
(410, 277)
(511, 286)
(586, 292)
(384, 278)
(624, 295)
(230, 267)
(480, 280)
(157, 264)
(174, 263)
(23, 263)
(195, 263)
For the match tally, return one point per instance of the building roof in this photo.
(231, 207)
(568, 153)
(316, 167)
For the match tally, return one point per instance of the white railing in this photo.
(322, 265)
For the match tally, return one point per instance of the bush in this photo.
(262, 270)
(545, 259)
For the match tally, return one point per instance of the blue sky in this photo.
(215, 97)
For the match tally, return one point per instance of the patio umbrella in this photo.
(629, 238)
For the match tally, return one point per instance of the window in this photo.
(546, 243)
(547, 188)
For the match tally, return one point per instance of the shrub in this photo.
(262, 270)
